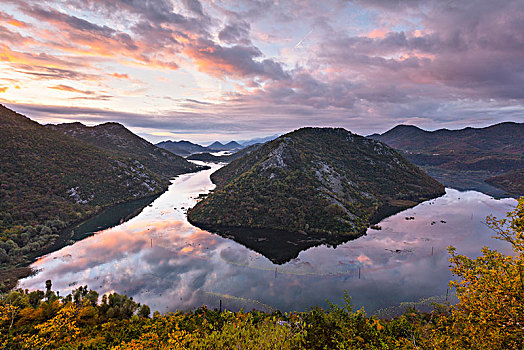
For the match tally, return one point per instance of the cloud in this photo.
(120, 76)
(48, 73)
(3, 88)
(194, 6)
(71, 89)
(236, 61)
(364, 65)
(235, 33)
(10, 20)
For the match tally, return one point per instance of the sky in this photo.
(205, 70)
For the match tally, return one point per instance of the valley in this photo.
(50, 181)
(490, 159)
(177, 266)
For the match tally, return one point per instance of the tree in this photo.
(490, 290)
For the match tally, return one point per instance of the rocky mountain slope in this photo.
(463, 158)
(313, 181)
(115, 138)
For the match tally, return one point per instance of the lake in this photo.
(160, 259)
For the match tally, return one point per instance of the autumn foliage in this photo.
(489, 315)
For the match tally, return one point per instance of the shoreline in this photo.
(17, 272)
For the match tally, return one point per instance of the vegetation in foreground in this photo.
(489, 315)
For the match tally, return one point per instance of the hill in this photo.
(115, 138)
(218, 146)
(314, 182)
(232, 145)
(49, 180)
(464, 158)
(512, 182)
(181, 148)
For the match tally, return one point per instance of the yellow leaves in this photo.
(377, 324)
(491, 291)
(7, 312)
(7, 316)
(61, 328)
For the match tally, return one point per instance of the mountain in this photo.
(115, 138)
(512, 182)
(233, 145)
(208, 157)
(181, 148)
(218, 146)
(49, 180)
(250, 142)
(464, 158)
(313, 183)
(186, 148)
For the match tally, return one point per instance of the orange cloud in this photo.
(3, 89)
(8, 19)
(50, 61)
(378, 33)
(71, 89)
(77, 36)
(120, 76)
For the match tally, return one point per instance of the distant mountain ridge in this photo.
(316, 182)
(186, 148)
(182, 148)
(463, 158)
(208, 157)
(503, 137)
(256, 140)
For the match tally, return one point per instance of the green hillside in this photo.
(465, 158)
(49, 181)
(115, 138)
(313, 180)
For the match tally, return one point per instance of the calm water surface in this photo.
(160, 259)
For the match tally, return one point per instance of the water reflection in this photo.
(161, 260)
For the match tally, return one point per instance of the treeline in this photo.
(18, 243)
(489, 315)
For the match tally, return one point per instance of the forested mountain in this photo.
(464, 158)
(313, 180)
(49, 180)
(115, 138)
(511, 182)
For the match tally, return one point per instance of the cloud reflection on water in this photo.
(163, 261)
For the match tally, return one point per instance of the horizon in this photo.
(206, 71)
(208, 142)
